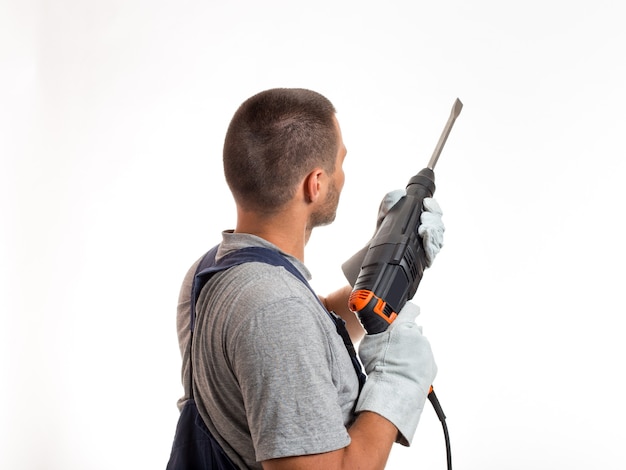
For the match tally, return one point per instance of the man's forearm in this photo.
(371, 439)
(338, 302)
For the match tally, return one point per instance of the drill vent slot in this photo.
(411, 264)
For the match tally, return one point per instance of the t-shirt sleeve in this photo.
(283, 361)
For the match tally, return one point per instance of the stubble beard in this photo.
(327, 213)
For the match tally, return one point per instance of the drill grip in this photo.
(395, 261)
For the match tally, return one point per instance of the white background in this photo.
(112, 117)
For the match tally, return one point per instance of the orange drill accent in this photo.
(360, 299)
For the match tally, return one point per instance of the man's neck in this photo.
(285, 230)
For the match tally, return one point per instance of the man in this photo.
(273, 381)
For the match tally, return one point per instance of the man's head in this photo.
(274, 140)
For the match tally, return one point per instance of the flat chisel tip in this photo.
(457, 107)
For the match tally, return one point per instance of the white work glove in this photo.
(431, 230)
(400, 369)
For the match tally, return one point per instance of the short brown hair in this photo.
(274, 139)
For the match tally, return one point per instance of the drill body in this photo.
(395, 261)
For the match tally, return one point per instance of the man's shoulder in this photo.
(258, 279)
(254, 293)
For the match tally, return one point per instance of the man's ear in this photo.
(313, 185)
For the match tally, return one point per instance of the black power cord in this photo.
(442, 417)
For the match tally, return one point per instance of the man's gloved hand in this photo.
(400, 369)
(390, 200)
(431, 230)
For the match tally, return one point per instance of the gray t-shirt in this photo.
(272, 376)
